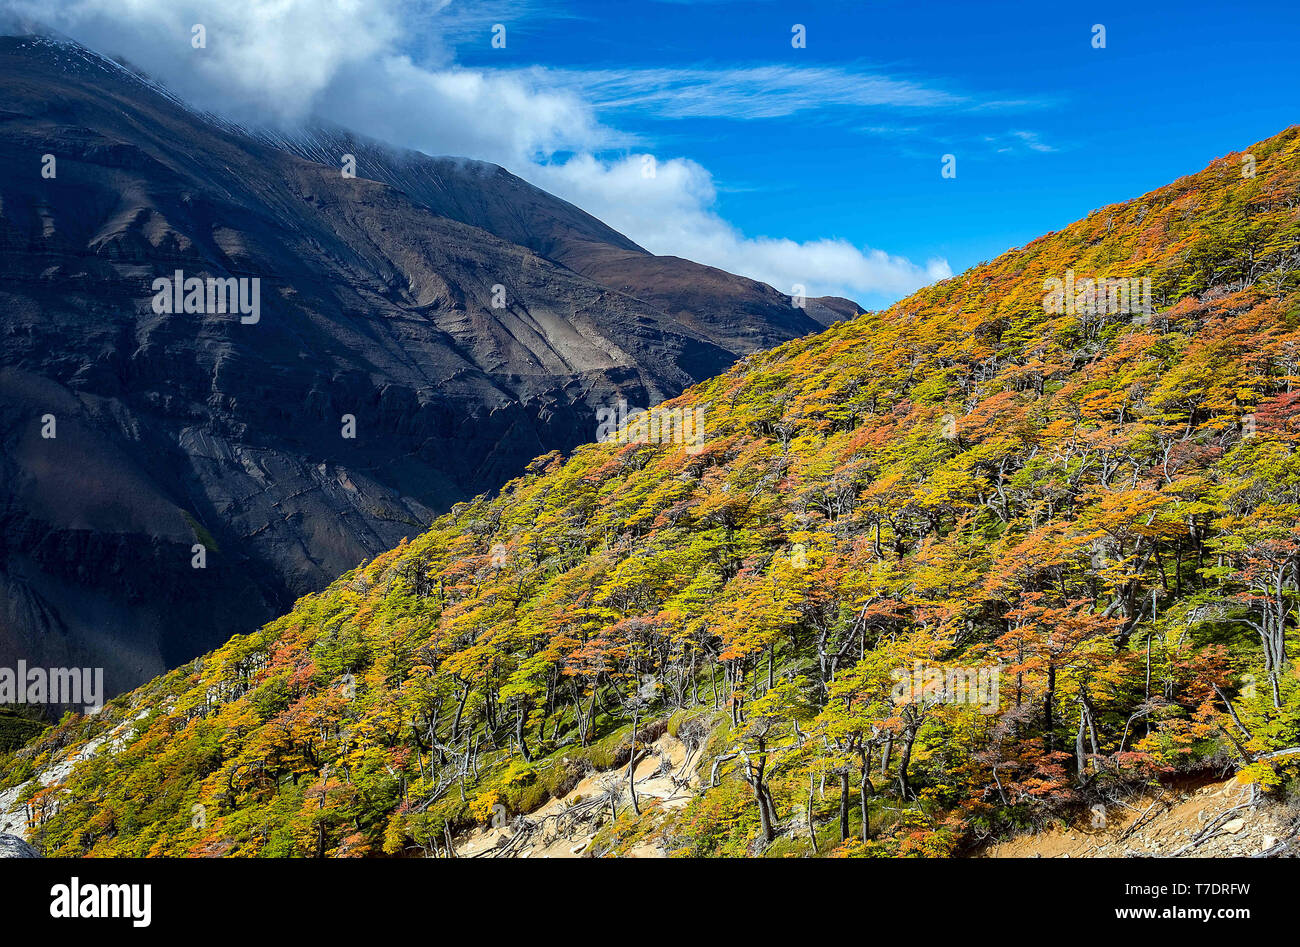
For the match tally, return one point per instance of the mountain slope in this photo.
(377, 303)
(741, 314)
(938, 573)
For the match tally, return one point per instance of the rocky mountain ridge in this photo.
(461, 318)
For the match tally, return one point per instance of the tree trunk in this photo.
(591, 713)
(844, 804)
(904, 785)
(1049, 722)
(812, 827)
(865, 788)
(1079, 759)
(631, 763)
(519, 735)
(460, 712)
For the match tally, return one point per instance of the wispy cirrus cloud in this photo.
(1032, 141)
(753, 92)
(1016, 141)
(908, 139)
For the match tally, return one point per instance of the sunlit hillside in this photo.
(960, 566)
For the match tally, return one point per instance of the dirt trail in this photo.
(566, 827)
(1221, 819)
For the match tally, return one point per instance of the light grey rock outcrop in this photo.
(11, 846)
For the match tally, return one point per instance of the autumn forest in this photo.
(935, 576)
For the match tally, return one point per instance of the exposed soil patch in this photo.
(565, 827)
(1220, 819)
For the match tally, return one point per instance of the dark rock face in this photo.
(741, 314)
(11, 846)
(376, 293)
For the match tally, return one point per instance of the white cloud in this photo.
(269, 59)
(506, 118)
(671, 213)
(350, 61)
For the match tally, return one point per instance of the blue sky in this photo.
(818, 165)
(1044, 126)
